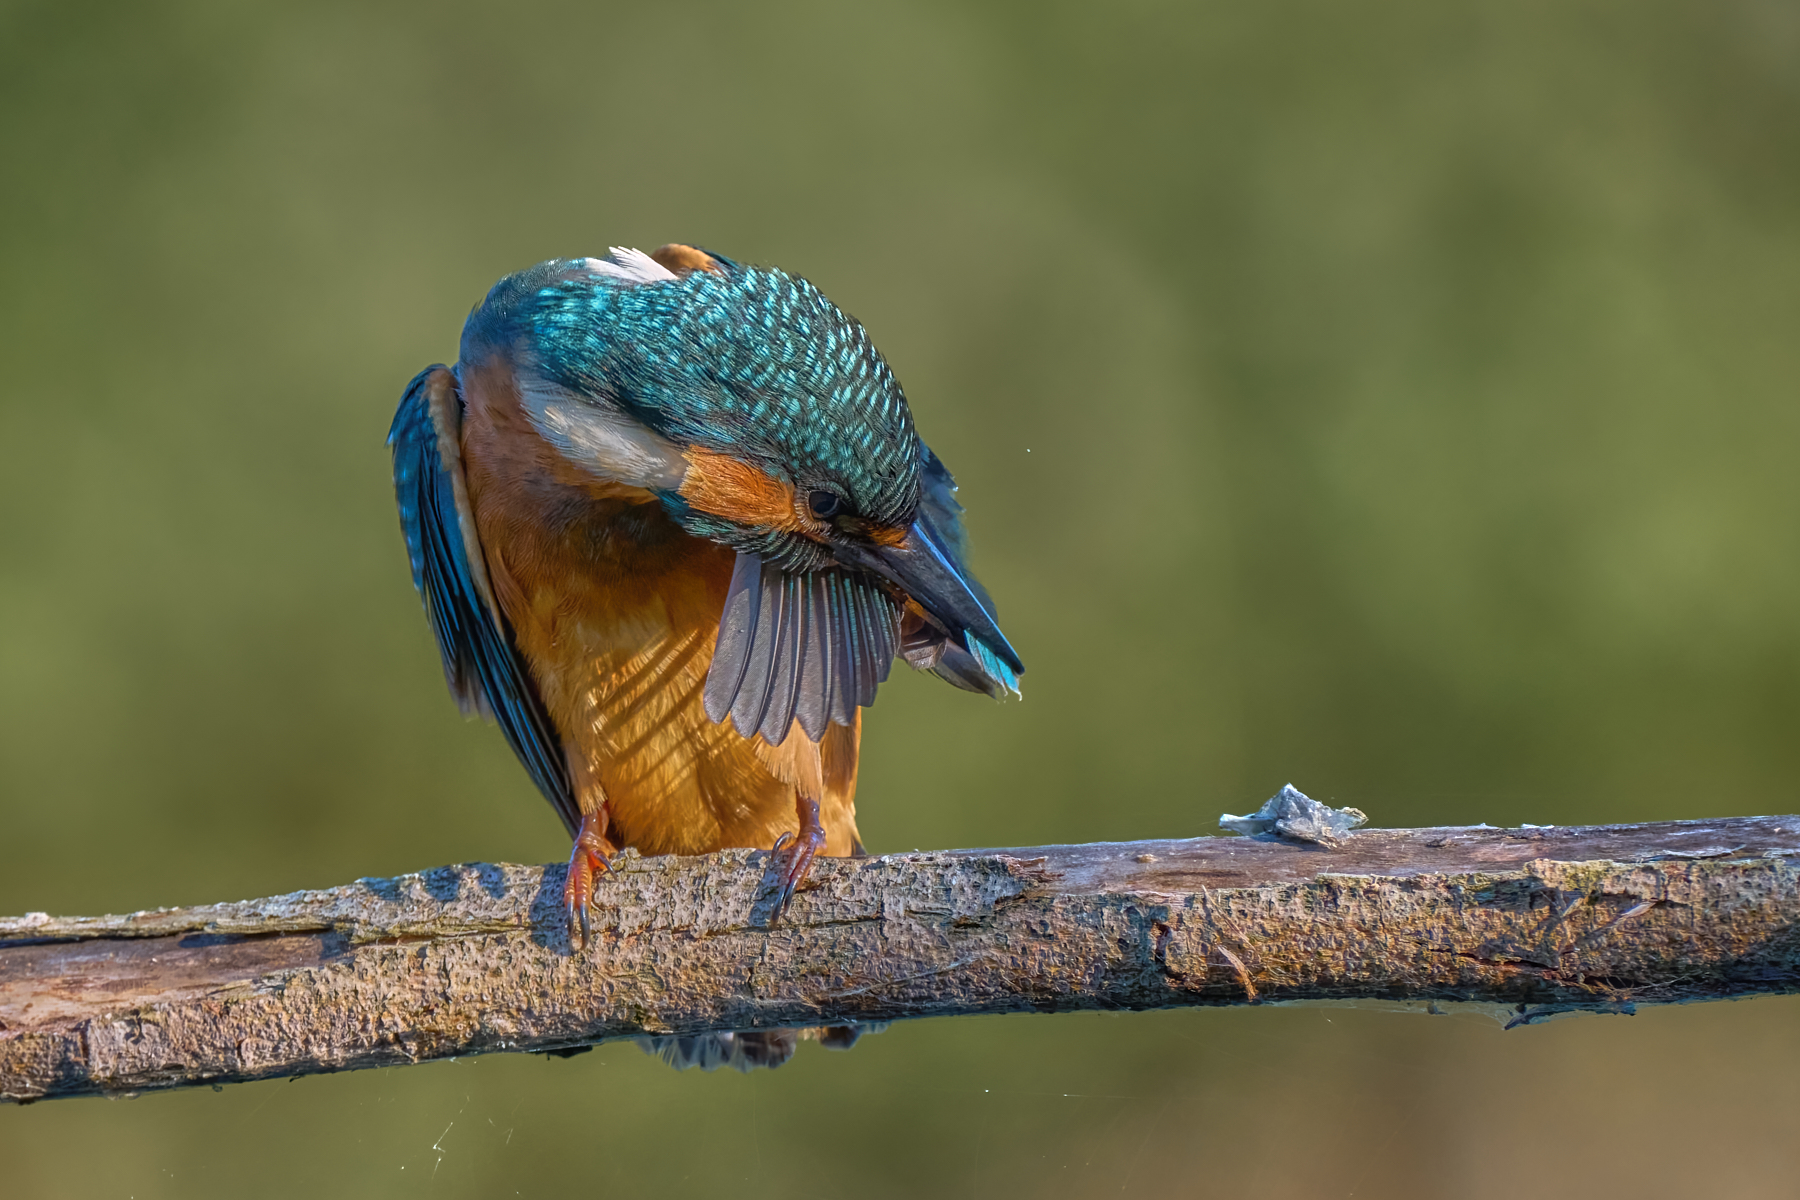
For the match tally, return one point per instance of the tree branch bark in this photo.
(472, 959)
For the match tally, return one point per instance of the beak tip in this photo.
(936, 579)
(999, 670)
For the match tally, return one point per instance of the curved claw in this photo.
(578, 888)
(800, 852)
(588, 858)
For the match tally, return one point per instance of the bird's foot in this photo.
(794, 855)
(587, 861)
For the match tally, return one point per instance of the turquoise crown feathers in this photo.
(751, 362)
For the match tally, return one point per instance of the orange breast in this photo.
(616, 609)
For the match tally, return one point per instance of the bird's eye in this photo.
(824, 505)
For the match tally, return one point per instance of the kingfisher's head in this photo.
(755, 410)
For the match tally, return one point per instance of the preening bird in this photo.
(672, 524)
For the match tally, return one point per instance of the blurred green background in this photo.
(1397, 398)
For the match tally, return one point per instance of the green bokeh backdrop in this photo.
(1394, 398)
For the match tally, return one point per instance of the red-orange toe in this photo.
(795, 855)
(588, 858)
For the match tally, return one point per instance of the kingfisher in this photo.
(672, 524)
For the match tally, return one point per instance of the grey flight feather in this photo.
(811, 647)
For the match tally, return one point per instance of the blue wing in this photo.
(483, 668)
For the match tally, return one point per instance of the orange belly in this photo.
(616, 610)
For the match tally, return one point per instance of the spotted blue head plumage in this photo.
(747, 361)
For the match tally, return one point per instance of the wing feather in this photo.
(843, 705)
(784, 680)
(483, 668)
(737, 635)
(751, 699)
(810, 647)
(812, 690)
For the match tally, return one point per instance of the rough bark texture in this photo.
(463, 960)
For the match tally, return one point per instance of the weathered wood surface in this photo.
(463, 960)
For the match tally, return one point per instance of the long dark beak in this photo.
(925, 570)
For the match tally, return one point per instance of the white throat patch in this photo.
(603, 441)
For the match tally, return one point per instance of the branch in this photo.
(470, 959)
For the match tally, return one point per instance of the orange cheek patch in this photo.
(682, 259)
(725, 487)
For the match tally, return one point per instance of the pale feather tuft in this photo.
(629, 266)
